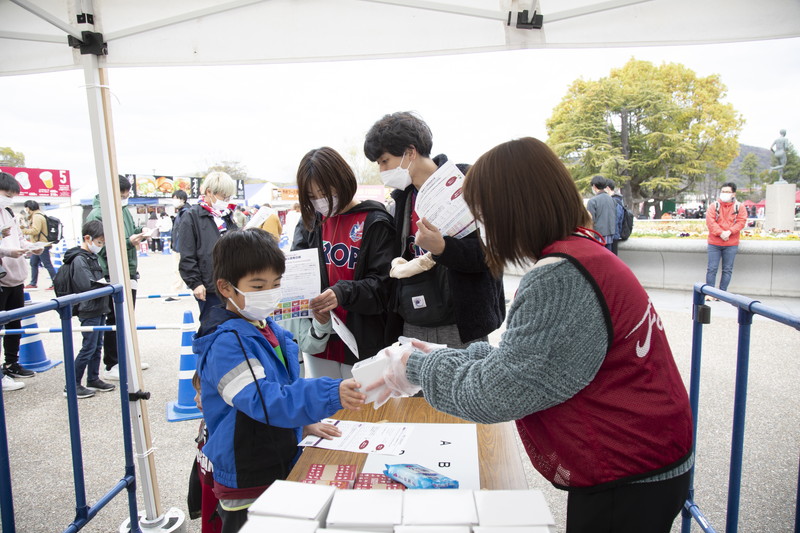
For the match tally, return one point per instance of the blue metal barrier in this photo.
(702, 315)
(83, 512)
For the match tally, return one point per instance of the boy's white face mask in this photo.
(258, 305)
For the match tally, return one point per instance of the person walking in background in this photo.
(725, 219)
(165, 230)
(603, 210)
(14, 250)
(133, 238)
(179, 202)
(469, 301)
(272, 223)
(155, 235)
(82, 273)
(200, 229)
(584, 366)
(37, 230)
(293, 216)
(355, 243)
(239, 216)
(610, 190)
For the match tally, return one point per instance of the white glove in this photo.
(405, 269)
(395, 383)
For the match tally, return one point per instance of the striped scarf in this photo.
(222, 226)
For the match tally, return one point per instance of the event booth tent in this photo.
(49, 35)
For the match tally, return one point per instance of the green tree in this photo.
(654, 130)
(750, 169)
(10, 158)
(365, 170)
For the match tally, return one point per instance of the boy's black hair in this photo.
(239, 253)
(8, 183)
(181, 195)
(124, 184)
(730, 184)
(396, 133)
(610, 184)
(93, 228)
(599, 182)
(33, 205)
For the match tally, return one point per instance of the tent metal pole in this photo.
(102, 140)
(52, 19)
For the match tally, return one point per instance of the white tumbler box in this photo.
(511, 529)
(260, 524)
(288, 499)
(432, 529)
(439, 507)
(366, 510)
(369, 371)
(513, 508)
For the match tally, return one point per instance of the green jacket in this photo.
(130, 229)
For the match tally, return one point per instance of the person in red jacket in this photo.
(725, 219)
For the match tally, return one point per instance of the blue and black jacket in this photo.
(254, 404)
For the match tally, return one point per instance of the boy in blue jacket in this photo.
(255, 405)
(82, 272)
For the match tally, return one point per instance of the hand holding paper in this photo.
(321, 429)
(428, 237)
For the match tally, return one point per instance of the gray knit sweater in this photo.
(553, 346)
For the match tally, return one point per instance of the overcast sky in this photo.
(175, 121)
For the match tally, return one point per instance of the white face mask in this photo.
(220, 205)
(94, 248)
(258, 305)
(123, 202)
(725, 197)
(5, 201)
(399, 177)
(177, 202)
(321, 206)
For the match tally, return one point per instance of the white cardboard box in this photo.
(366, 510)
(259, 524)
(432, 529)
(439, 507)
(513, 508)
(288, 499)
(511, 529)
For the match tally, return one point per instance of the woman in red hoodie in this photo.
(354, 240)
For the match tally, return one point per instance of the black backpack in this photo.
(62, 283)
(55, 229)
(627, 225)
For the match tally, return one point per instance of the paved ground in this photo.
(41, 462)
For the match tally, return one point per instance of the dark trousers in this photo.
(12, 298)
(110, 357)
(157, 244)
(614, 246)
(232, 521)
(629, 508)
(44, 260)
(212, 300)
(88, 359)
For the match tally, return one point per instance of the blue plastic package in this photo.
(419, 477)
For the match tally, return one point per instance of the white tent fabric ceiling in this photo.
(214, 32)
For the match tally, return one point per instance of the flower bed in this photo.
(696, 229)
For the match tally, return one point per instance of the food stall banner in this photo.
(155, 186)
(41, 181)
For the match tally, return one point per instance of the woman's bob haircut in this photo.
(525, 198)
(219, 183)
(328, 170)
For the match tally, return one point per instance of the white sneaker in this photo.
(9, 384)
(113, 373)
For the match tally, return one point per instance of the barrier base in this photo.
(173, 521)
(39, 366)
(177, 412)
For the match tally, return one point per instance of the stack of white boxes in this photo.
(303, 508)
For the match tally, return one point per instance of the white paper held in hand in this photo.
(345, 334)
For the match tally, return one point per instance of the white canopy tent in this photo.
(109, 33)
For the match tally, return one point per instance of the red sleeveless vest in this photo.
(633, 420)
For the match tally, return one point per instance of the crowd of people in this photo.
(584, 366)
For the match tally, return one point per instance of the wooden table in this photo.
(498, 455)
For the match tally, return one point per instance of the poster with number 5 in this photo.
(41, 181)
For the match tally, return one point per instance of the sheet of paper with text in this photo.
(441, 202)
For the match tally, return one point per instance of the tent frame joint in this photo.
(535, 23)
(91, 43)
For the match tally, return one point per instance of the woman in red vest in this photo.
(584, 366)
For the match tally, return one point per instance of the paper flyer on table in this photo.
(345, 334)
(363, 437)
(441, 201)
(299, 285)
(450, 449)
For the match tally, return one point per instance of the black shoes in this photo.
(16, 371)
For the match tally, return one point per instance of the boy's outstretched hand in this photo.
(321, 429)
(349, 395)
